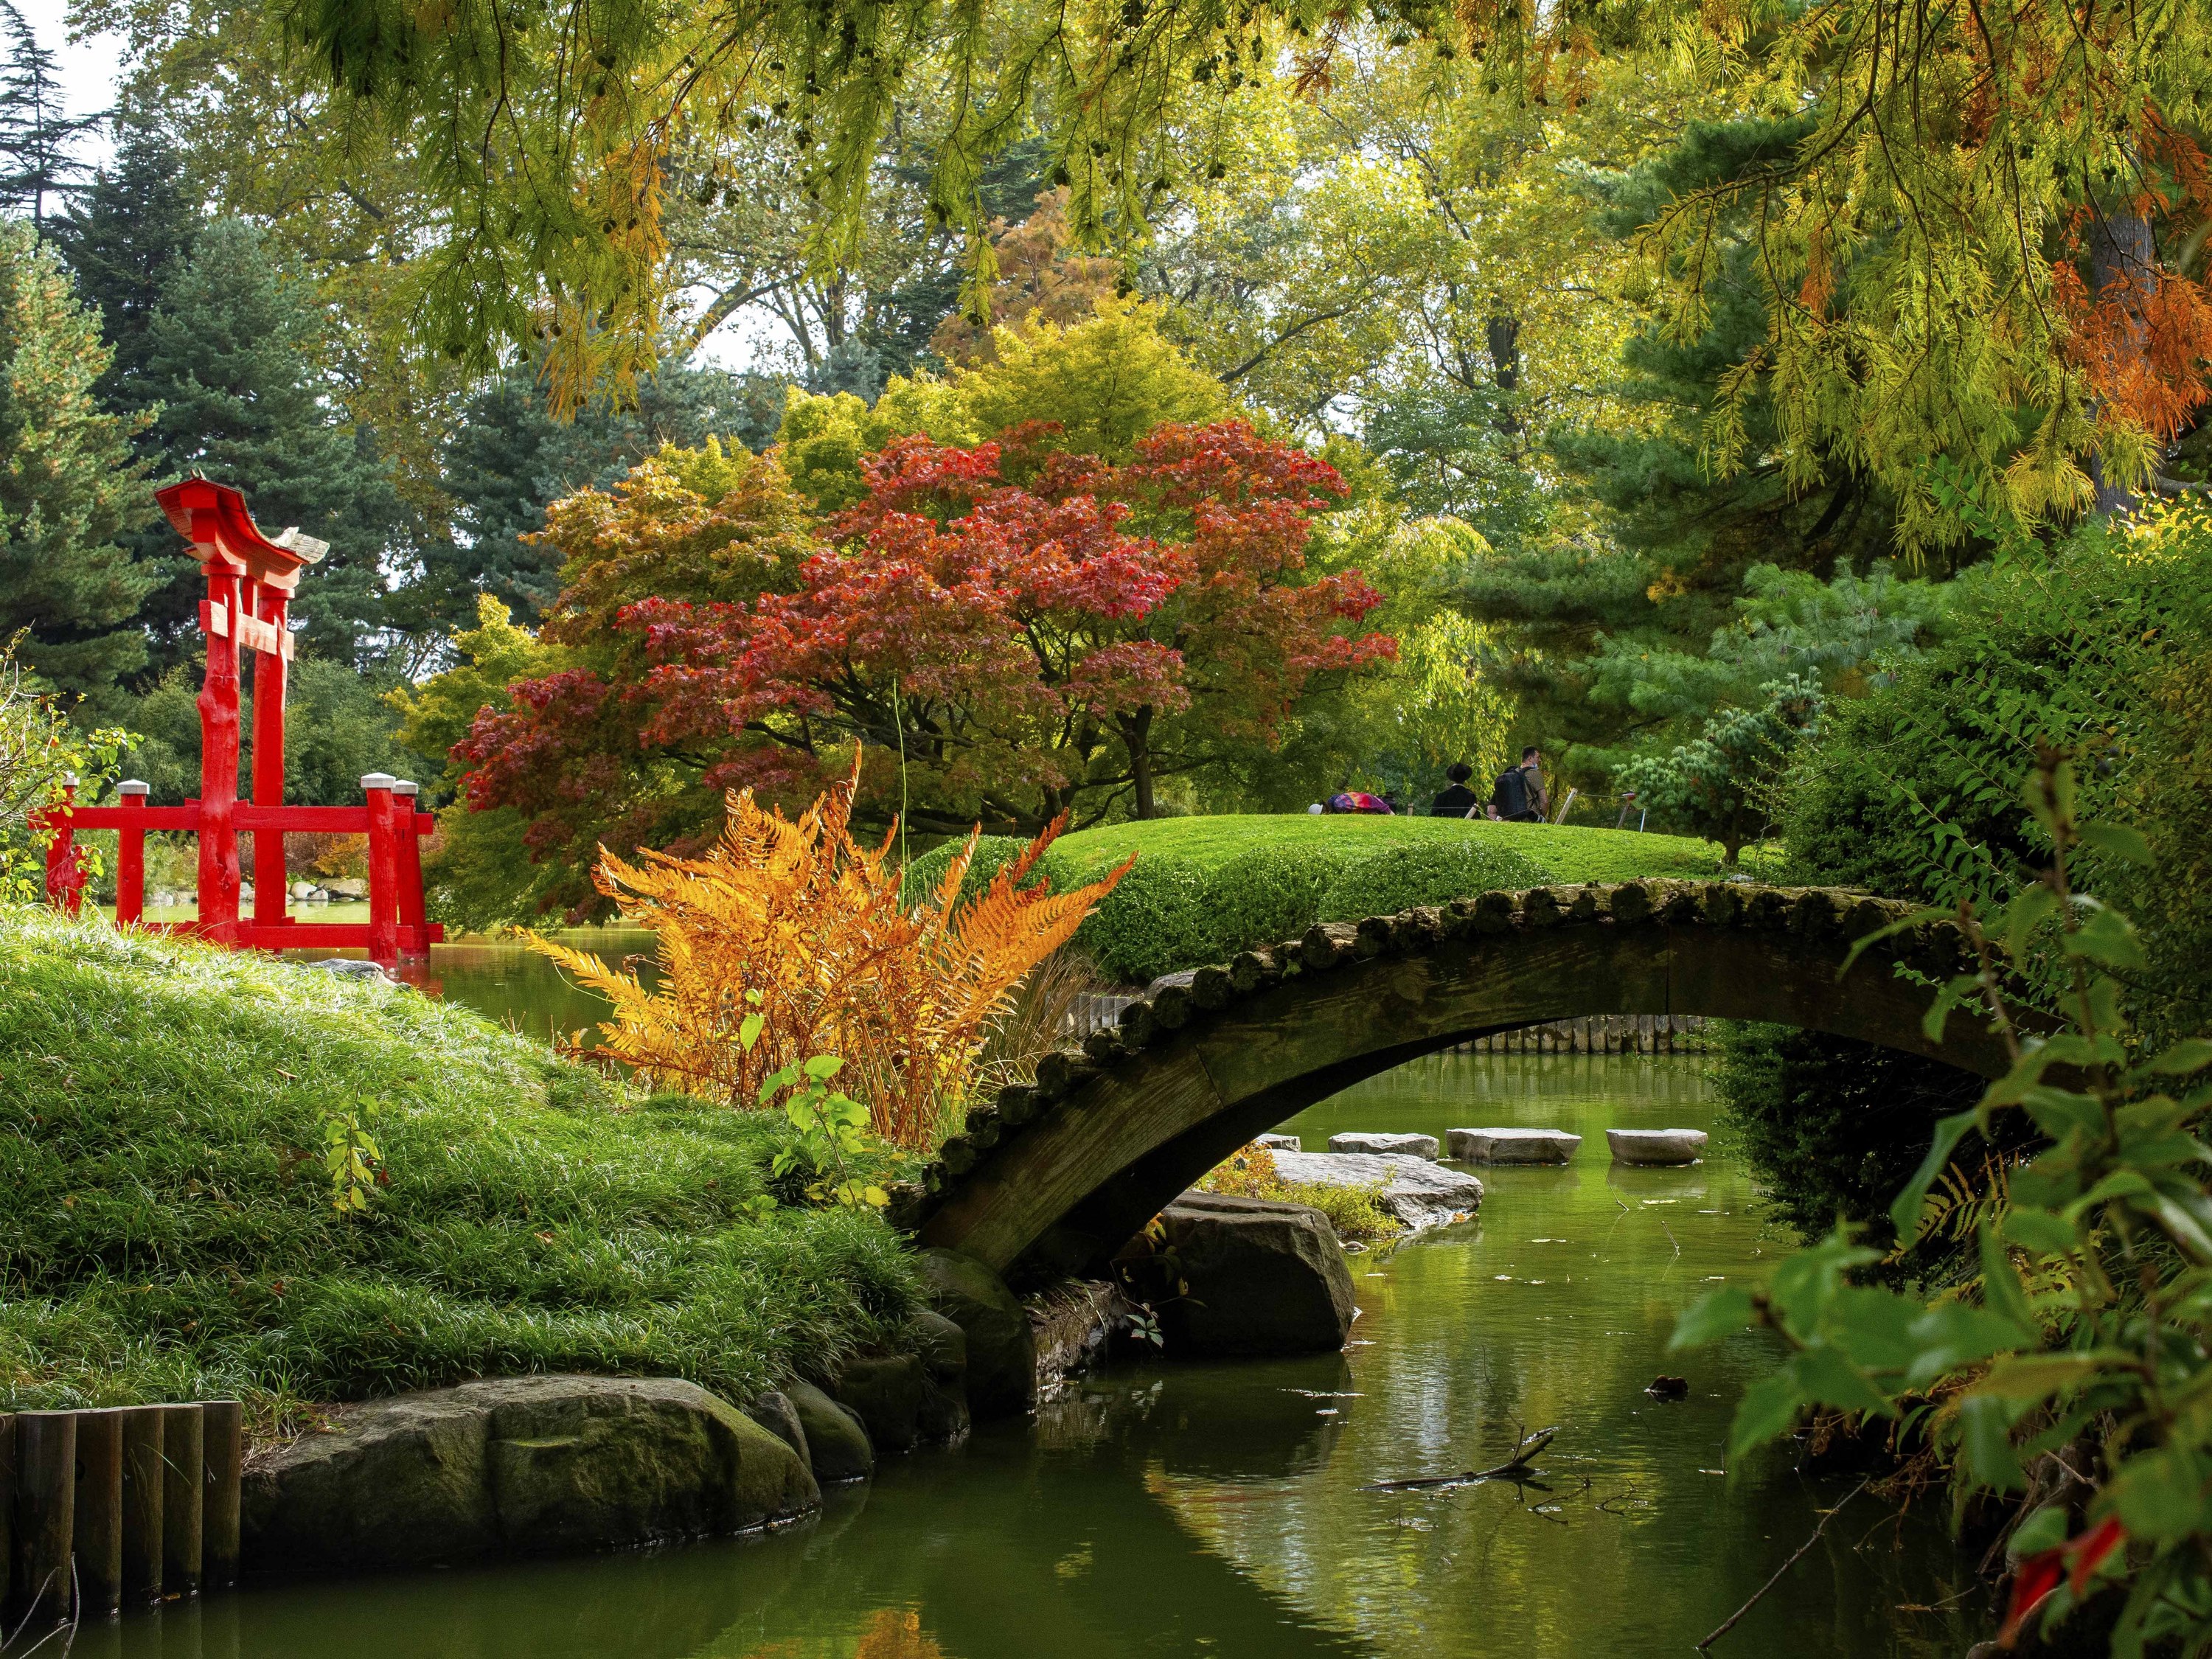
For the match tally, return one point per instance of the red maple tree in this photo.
(1035, 631)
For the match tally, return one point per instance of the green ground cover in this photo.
(1205, 888)
(167, 1228)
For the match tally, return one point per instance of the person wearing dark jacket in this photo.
(1456, 800)
(1518, 796)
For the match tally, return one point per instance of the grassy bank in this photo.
(1205, 888)
(167, 1228)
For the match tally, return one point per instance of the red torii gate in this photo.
(251, 579)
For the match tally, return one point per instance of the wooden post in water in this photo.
(98, 1533)
(45, 1512)
(142, 1502)
(7, 1507)
(223, 1452)
(183, 1473)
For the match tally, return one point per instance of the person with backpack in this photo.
(1518, 796)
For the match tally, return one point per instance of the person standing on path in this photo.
(1518, 796)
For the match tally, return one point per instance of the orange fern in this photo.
(789, 940)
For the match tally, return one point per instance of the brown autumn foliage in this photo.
(789, 940)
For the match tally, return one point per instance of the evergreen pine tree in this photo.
(508, 459)
(38, 136)
(67, 486)
(121, 237)
(232, 359)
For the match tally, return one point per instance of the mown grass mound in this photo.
(167, 1225)
(1206, 888)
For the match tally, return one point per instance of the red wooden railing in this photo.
(396, 924)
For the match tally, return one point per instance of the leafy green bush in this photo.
(1204, 889)
(167, 1228)
(2106, 647)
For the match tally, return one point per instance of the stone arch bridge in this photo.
(1055, 1177)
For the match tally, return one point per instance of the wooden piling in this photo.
(97, 1534)
(183, 1476)
(223, 1453)
(142, 1502)
(7, 1507)
(46, 1512)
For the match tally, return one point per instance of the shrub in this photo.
(167, 1224)
(791, 943)
(1354, 1212)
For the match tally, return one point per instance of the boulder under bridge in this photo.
(1054, 1176)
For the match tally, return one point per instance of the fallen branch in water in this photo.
(1513, 1468)
(1729, 1624)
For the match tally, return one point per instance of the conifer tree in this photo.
(122, 236)
(38, 136)
(232, 359)
(68, 486)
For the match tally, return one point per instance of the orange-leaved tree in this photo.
(789, 941)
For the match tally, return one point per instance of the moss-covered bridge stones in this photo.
(1055, 1175)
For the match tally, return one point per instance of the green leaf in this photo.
(2025, 1379)
(1825, 1374)
(1985, 1441)
(2001, 1288)
(1953, 1333)
(1722, 1313)
(2119, 841)
(2191, 1054)
(1905, 1212)
(1769, 1407)
(2159, 1495)
(822, 1067)
(749, 1030)
(2046, 1529)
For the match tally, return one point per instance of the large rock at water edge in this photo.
(1417, 1191)
(837, 1443)
(1264, 1278)
(1408, 1146)
(1511, 1145)
(773, 1410)
(1002, 1362)
(1656, 1145)
(517, 1465)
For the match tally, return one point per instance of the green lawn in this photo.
(167, 1229)
(1205, 888)
(1559, 853)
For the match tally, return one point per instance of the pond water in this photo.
(1218, 1508)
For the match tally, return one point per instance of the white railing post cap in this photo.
(132, 786)
(406, 787)
(377, 780)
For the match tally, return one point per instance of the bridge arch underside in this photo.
(1041, 1186)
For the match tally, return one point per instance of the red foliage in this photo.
(2141, 344)
(2071, 1562)
(1086, 630)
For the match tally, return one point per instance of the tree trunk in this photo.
(2120, 251)
(1502, 335)
(1136, 736)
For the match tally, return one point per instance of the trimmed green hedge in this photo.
(1204, 889)
(167, 1228)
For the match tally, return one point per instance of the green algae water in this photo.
(1220, 1507)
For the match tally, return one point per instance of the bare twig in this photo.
(1515, 1468)
(1729, 1624)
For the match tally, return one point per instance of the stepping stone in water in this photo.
(1656, 1145)
(1281, 1143)
(1419, 1193)
(1404, 1145)
(1511, 1145)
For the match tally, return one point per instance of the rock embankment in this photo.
(513, 1467)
